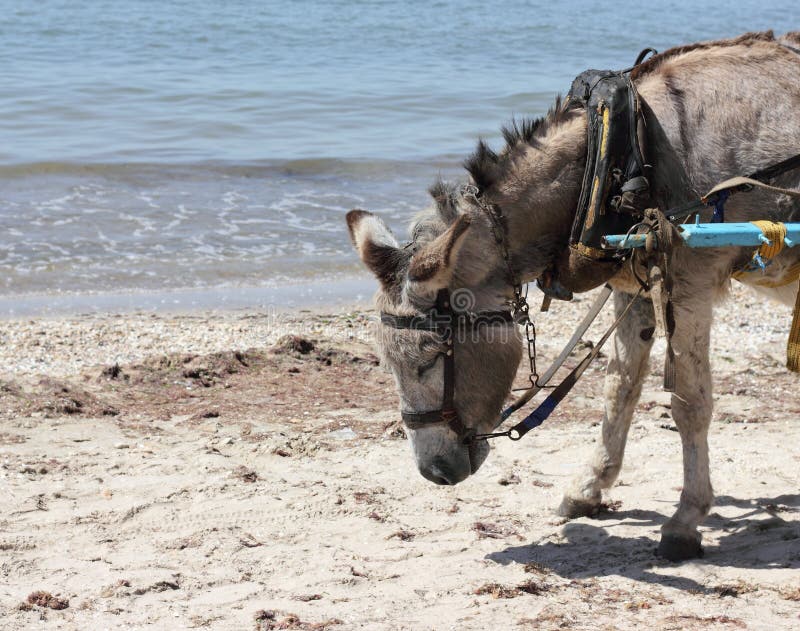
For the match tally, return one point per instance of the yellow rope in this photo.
(776, 233)
(793, 345)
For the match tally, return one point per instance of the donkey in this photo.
(712, 111)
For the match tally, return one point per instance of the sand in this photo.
(200, 471)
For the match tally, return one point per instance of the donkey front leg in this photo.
(691, 410)
(627, 368)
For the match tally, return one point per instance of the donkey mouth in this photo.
(456, 468)
(451, 462)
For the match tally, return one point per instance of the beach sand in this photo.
(205, 471)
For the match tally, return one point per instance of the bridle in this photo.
(447, 323)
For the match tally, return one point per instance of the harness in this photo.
(614, 181)
(451, 325)
(615, 189)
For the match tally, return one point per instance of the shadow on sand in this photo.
(763, 536)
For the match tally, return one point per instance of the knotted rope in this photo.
(775, 232)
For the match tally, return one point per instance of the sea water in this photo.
(212, 149)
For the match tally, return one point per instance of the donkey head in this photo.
(535, 180)
(455, 251)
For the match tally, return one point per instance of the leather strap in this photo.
(660, 280)
(444, 307)
(417, 420)
(681, 213)
(642, 56)
(736, 184)
(577, 335)
(546, 407)
(446, 322)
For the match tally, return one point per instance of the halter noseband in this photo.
(442, 319)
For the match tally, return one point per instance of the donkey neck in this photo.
(539, 194)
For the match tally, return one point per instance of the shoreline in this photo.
(323, 294)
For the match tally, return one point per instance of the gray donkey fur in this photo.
(713, 111)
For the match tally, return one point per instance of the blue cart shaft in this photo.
(710, 235)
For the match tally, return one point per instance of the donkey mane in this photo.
(485, 166)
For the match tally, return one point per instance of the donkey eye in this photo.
(421, 370)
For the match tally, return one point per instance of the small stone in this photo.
(121, 446)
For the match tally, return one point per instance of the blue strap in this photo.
(546, 407)
(719, 206)
(537, 417)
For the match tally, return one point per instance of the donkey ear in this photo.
(443, 195)
(433, 266)
(375, 245)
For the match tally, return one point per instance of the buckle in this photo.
(449, 415)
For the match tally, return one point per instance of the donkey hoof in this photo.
(572, 507)
(679, 548)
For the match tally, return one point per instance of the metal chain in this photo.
(530, 336)
(519, 305)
